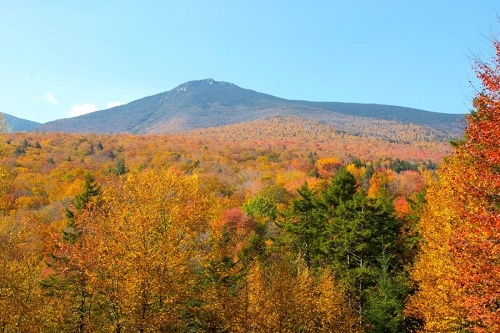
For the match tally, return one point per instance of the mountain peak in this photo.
(197, 84)
(211, 103)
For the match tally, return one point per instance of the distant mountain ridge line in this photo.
(15, 124)
(209, 103)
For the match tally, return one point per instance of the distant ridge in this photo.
(209, 103)
(405, 115)
(15, 124)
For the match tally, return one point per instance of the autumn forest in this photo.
(280, 224)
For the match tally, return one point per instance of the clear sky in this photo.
(60, 58)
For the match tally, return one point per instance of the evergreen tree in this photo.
(215, 307)
(120, 168)
(385, 301)
(70, 260)
(361, 230)
(91, 190)
(341, 189)
(306, 228)
(340, 227)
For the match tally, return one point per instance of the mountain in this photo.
(209, 103)
(405, 115)
(15, 124)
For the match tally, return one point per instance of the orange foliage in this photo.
(459, 267)
(401, 207)
(476, 246)
(137, 243)
(328, 166)
(379, 183)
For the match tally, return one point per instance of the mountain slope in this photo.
(307, 135)
(120, 119)
(288, 127)
(209, 103)
(15, 124)
(441, 121)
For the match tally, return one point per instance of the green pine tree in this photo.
(340, 227)
(385, 301)
(306, 228)
(361, 230)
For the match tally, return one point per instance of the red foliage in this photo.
(476, 246)
(235, 220)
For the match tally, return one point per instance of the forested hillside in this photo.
(281, 224)
(208, 230)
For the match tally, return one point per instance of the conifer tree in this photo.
(340, 227)
(71, 258)
(306, 227)
(91, 191)
(385, 300)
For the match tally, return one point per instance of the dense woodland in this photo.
(277, 225)
(207, 230)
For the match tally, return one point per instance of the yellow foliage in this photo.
(327, 166)
(358, 173)
(438, 292)
(5, 180)
(20, 267)
(286, 297)
(286, 177)
(153, 234)
(380, 182)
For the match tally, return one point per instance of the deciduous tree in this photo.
(458, 268)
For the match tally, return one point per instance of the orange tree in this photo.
(463, 261)
(477, 244)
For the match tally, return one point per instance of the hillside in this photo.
(299, 134)
(209, 103)
(440, 121)
(218, 179)
(15, 124)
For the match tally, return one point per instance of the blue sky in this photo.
(61, 58)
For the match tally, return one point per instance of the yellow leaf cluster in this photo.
(286, 297)
(435, 272)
